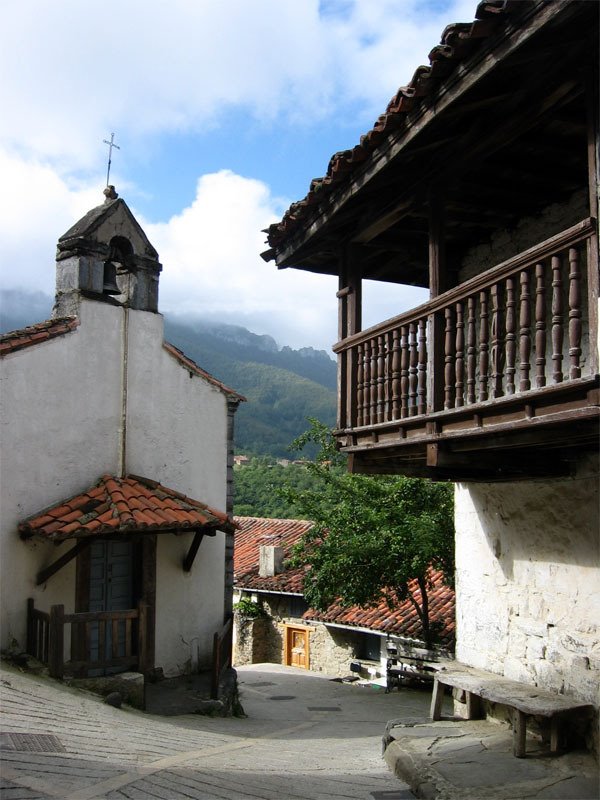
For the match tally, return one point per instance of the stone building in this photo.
(479, 182)
(335, 641)
(117, 456)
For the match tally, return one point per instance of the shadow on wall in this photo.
(554, 521)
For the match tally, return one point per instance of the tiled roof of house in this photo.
(123, 505)
(459, 41)
(400, 621)
(34, 334)
(193, 367)
(255, 531)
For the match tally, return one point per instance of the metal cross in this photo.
(110, 144)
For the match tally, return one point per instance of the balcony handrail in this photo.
(576, 233)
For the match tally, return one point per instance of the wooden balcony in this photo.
(494, 379)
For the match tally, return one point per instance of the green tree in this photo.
(372, 535)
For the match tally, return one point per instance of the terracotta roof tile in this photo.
(123, 504)
(34, 334)
(458, 42)
(401, 620)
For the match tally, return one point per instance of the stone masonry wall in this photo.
(262, 640)
(528, 581)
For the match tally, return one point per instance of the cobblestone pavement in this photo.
(305, 738)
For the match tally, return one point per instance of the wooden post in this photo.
(438, 283)
(437, 698)
(31, 641)
(216, 668)
(56, 635)
(593, 277)
(142, 636)
(519, 732)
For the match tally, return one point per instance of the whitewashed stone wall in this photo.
(528, 581)
(530, 231)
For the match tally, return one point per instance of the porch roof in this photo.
(123, 505)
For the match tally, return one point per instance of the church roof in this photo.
(86, 227)
(35, 334)
(193, 367)
(122, 505)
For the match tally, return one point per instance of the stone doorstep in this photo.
(474, 761)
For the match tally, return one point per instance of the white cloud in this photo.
(75, 71)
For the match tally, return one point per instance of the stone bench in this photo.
(525, 701)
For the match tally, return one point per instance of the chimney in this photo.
(270, 560)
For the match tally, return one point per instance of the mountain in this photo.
(283, 386)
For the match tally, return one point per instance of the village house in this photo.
(479, 182)
(116, 537)
(338, 641)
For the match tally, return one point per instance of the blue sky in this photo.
(224, 111)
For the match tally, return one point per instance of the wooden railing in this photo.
(122, 633)
(222, 650)
(520, 326)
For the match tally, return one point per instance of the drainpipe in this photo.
(124, 363)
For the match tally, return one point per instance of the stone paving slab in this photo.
(473, 760)
(297, 748)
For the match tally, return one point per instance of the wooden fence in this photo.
(222, 650)
(121, 633)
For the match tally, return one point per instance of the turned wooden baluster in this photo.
(374, 379)
(574, 313)
(484, 355)
(557, 320)
(510, 339)
(381, 375)
(471, 350)
(395, 374)
(412, 370)
(359, 386)
(525, 333)
(422, 369)
(540, 326)
(449, 361)
(367, 384)
(404, 371)
(496, 351)
(460, 355)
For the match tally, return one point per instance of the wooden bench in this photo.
(525, 701)
(406, 669)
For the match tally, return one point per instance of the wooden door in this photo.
(296, 647)
(111, 589)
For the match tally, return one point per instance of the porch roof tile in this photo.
(124, 504)
(401, 620)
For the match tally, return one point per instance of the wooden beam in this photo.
(46, 573)
(191, 554)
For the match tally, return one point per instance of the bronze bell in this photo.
(110, 285)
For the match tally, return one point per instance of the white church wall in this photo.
(177, 435)
(60, 408)
(528, 581)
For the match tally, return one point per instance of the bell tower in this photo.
(106, 256)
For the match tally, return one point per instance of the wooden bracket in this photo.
(46, 573)
(191, 554)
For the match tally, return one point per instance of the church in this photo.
(116, 535)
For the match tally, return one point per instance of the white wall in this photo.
(528, 581)
(61, 417)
